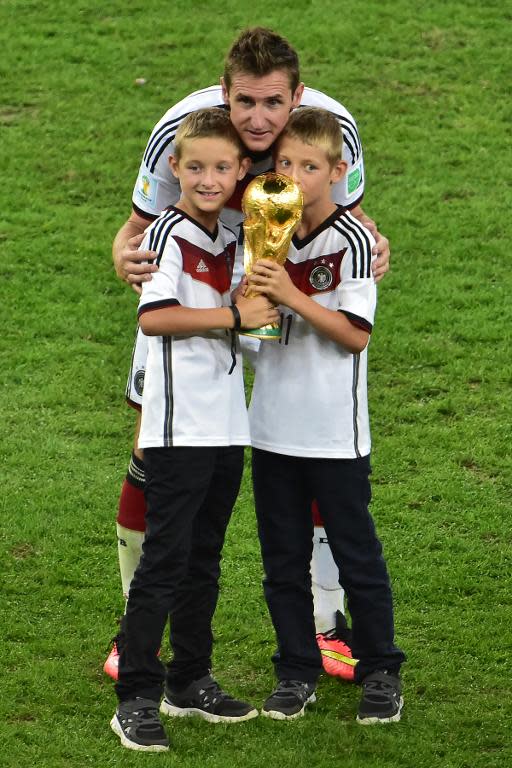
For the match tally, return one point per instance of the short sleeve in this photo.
(162, 289)
(357, 292)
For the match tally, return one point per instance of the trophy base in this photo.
(271, 331)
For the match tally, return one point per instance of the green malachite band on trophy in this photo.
(267, 332)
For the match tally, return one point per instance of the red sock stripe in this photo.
(132, 508)
(317, 517)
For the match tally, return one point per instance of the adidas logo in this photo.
(201, 267)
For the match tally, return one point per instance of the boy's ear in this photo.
(245, 164)
(338, 171)
(174, 166)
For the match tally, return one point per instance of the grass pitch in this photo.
(429, 88)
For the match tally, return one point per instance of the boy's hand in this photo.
(132, 265)
(273, 280)
(240, 290)
(256, 312)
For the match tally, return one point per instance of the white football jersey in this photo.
(189, 397)
(310, 394)
(156, 188)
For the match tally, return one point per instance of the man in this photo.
(260, 87)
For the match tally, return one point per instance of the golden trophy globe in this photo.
(272, 204)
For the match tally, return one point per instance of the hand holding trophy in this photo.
(272, 205)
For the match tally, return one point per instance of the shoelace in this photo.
(379, 689)
(213, 692)
(296, 687)
(144, 718)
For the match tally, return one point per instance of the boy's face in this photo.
(208, 171)
(260, 106)
(309, 167)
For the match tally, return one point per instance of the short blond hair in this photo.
(318, 128)
(206, 124)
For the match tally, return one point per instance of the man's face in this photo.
(260, 106)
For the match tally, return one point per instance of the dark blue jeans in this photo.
(190, 493)
(284, 487)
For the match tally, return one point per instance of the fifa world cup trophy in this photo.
(272, 205)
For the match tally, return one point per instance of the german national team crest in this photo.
(138, 382)
(321, 278)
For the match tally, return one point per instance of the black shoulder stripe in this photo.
(355, 226)
(360, 245)
(161, 135)
(348, 223)
(161, 231)
(156, 229)
(161, 138)
(350, 128)
(350, 134)
(350, 138)
(158, 143)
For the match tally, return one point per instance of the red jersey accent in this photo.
(235, 201)
(317, 276)
(215, 271)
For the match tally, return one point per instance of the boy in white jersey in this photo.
(310, 434)
(261, 84)
(194, 426)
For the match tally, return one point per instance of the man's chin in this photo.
(258, 143)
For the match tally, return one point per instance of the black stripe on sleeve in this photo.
(144, 214)
(360, 322)
(161, 304)
(356, 202)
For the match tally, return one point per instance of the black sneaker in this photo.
(381, 701)
(138, 725)
(289, 700)
(205, 698)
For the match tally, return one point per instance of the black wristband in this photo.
(236, 315)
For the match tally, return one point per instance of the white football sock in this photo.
(328, 596)
(129, 547)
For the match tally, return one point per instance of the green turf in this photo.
(428, 84)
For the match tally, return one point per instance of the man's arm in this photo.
(132, 265)
(381, 248)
